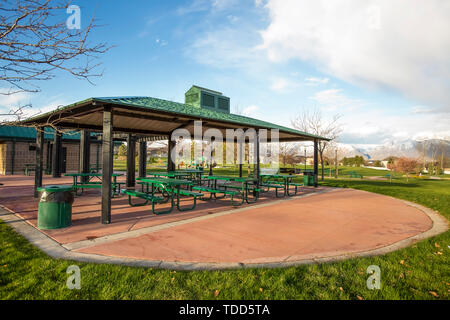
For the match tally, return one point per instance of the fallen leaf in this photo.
(172, 279)
(342, 289)
(402, 261)
(216, 293)
(260, 289)
(434, 294)
(439, 253)
(437, 245)
(360, 298)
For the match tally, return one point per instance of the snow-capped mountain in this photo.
(403, 148)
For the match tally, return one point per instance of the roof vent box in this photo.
(209, 99)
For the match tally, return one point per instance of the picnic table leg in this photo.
(255, 195)
(163, 211)
(288, 187)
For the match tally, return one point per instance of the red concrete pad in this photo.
(341, 221)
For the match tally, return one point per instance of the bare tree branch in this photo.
(312, 121)
(35, 43)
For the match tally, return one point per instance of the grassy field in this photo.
(418, 272)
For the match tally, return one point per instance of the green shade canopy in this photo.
(26, 133)
(154, 118)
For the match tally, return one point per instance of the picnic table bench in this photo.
(171, 187)
(89, 184)
(273, 181)
(147, 197)
(246, 185)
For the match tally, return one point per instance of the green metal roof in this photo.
(177, 109)
(27, 133)
(206, 114)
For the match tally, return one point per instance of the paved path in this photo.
(319, 225)
(330, 224)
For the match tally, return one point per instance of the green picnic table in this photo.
(79, 184)
(170, 174)
(169, 188)
(246, 184)
(276, 184)
(192, 174)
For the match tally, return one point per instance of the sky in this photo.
(383, 65)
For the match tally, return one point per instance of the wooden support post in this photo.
(131, 161)
(39, 160)
(57, 155)
(171, 146)
(85, 153)
(211, 154)
(142, 159)
(107, 169)
(97, 158)
(256, 165)
(48, 161)
(316, 163)
(241, 157)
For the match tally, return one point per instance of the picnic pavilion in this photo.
(143, 119)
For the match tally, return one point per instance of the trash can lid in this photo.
(57, 188)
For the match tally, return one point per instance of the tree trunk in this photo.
(321, 163)
(336, 164)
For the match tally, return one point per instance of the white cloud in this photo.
(226, 48)
(194, 6)
(403, 44)
(258, 3)
(205, 5)
(316, 81)
(250, 111)
(9, 101)
(335, 100)
(422, 109)
(161, 43)
(223, 4)
(283, 85)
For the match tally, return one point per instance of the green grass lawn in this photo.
(418, 272)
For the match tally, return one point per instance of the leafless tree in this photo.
(16, 114)
(35, 43)
(312, 121)
(287, 152)
(333, 152)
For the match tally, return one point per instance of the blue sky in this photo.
(384, 67)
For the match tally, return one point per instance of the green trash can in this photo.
(55, 207)
(308, 179)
